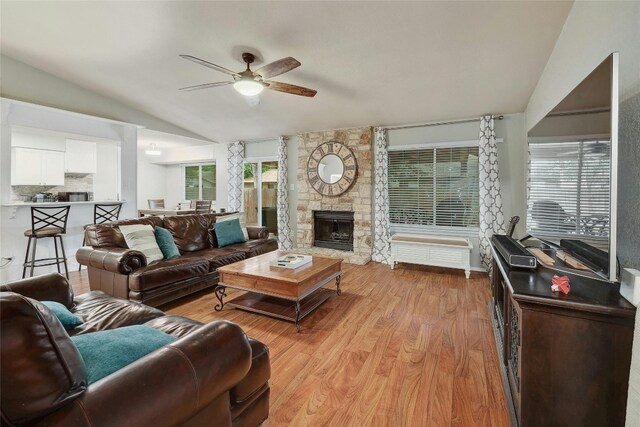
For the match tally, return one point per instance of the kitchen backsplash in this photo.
(72, 183)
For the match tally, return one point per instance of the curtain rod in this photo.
(451, 122)
(275, 138)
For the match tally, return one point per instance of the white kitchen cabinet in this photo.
(30, 166)
(80, 157)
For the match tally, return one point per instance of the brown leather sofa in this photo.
(213, 375)
(124, 273)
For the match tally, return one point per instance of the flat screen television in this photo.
(572, 175)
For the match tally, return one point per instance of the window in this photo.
(200, 182)
(434, 187)
(569, 188)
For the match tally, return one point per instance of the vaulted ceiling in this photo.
(373, 63)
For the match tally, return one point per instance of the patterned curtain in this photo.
(284, 230)
(491, 215)
(381, 231)
(235, 164)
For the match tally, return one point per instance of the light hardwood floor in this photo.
(406, 347)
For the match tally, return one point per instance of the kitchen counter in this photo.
(45, 204)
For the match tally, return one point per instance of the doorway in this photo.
(261, 193)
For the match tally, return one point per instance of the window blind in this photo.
(569, 189)
(434, 187)
(200, 182)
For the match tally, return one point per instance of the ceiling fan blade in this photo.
(205, 86)
(210, 65)
(278, 67)
(292, 89)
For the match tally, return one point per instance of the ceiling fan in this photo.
(251, 83)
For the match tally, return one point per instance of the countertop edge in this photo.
(90, 202)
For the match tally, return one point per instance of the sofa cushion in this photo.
(141, 237)
(252, 248)
(166, 272)
(109, 234)
(218, 257)
(258, 374)
(35, 350)
(177, 326)
(105, 352)
(190, 232)
(228, 233)
(67, 319)
(101, 312)
(166, 243)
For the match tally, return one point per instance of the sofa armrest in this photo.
(112, 259)
(258, 233)
(48, 287)
(167, 387)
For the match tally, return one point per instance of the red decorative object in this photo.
(560, 284)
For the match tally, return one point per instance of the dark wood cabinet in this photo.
(565, 359)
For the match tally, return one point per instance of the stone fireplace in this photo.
(357, 200)
(333, 230)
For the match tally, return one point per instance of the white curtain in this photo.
(284, 230)
(381, 231)
(491, 215)
(235, 177)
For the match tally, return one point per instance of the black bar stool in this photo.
(46, 223)
(103, 212)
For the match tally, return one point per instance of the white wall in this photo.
(268, 148)
(174, 184)
(152, 183)
(106, 178)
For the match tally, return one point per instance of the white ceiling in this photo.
(373, 63)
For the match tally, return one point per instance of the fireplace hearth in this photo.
(333, 229)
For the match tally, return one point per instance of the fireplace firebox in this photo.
(333, 229)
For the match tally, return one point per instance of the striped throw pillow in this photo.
(142, 238)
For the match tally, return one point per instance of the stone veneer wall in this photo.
(357, 199)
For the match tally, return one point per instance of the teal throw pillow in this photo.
(228, 233)
(165, 241)
(105, 352)
(68, 319)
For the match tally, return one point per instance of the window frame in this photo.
(435, 229)
(184, 167)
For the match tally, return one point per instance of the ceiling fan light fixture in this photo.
(248, 87)
(152, 151)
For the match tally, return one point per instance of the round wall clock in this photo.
(331, 168)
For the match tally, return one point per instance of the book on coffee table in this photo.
(291, 261)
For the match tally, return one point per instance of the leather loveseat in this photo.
(213, 375)
(124, 273)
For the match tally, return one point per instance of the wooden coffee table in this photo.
(288, 294)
